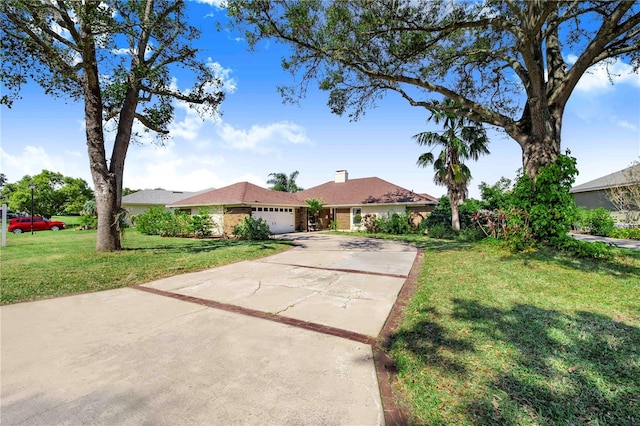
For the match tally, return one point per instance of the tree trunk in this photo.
(538, 133)
(108, 236)
(454, 201)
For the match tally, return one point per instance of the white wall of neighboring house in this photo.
(135, 210)
(217, 216)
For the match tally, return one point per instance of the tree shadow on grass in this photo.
(425, 243)
(199, 246)
(580, 368)
(429, 343)
(624, 266)
(570, 369)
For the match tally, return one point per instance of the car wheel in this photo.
(17, 231)
(55, 228)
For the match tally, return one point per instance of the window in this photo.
(259, 209)
(357, 215)
(253, 209)
(270, 209)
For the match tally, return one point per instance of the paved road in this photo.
(230, 345)
(630, 244)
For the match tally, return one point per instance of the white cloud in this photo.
(261, 139)
(600, 76)
(625, 124)
(220, 4)
(33, 159)
(175, 166)
(190, 126)
(229, 85)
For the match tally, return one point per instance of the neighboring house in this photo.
(344, 200)
(594, 194)
(229, 205)
(348, 200)
(141, 201)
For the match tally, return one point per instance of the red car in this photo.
(23, 224)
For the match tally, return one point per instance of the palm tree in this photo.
(462, 139)
(284, 183)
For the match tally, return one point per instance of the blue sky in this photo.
(257, 134)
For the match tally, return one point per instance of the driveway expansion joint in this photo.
(349, 271)
(306, 325)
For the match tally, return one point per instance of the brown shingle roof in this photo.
(240, 193)
(355, 192)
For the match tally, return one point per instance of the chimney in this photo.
(342, 176)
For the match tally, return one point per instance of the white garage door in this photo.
(280, 219)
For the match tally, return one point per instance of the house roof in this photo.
(364, 191)
(628, 176)
(157, 196)
(240, 193)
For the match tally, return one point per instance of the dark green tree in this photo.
(117, 57)
(53, 194)
(460, 140)
(282, 182)
(505, 61)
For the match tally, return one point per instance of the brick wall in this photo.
(233, 216)
(418, 213)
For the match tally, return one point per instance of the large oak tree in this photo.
(512, 64)
(117, 57)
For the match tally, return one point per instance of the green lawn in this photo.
(530, 339)
(49, 263)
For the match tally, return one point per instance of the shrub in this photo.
(583, 249)
(549, 209)
(333, 225)
(151, 222)
(88, 222)
(625, 233)
(441, 232)
(396, 224)
(157, 221)
(600, 222)
(370, 223)
(441, 214)
(252, 229)
(201, 225)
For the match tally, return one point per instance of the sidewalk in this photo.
(629, 244)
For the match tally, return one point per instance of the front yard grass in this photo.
(49, 264)
(496, 338)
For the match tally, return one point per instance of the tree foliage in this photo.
(460, 140)
(117, 57)
(282, 182)
(53, 194)
(511, 63)
(495, 196)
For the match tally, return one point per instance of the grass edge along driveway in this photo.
(51, 264)
(492, 337)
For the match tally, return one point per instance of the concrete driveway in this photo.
(286, 339)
